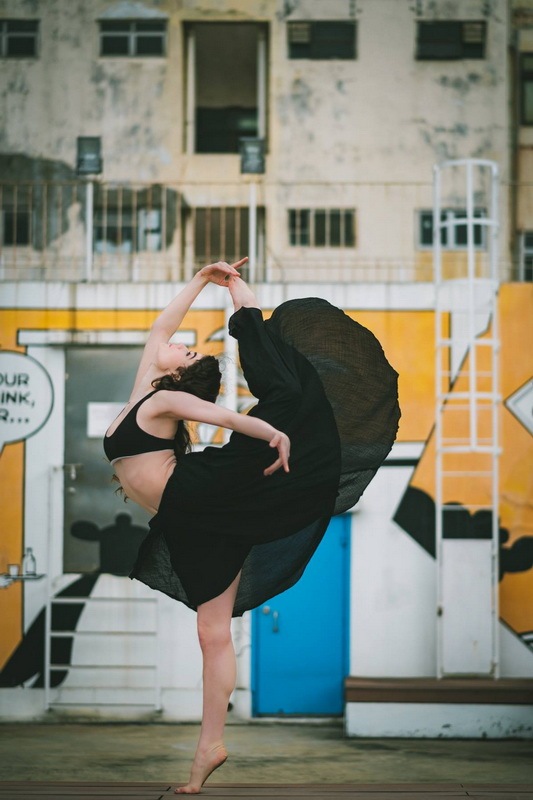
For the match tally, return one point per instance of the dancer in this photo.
(235, 525)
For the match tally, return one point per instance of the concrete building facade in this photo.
(121, 173)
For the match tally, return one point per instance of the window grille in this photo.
(319, 227)
(450, 39)
(133, 38)
(19, 38)
(16, 229)
(526, 256)
(455, 236)
(526, 89)
(221, 232)
(322, 39)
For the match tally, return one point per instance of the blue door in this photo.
(300, 637)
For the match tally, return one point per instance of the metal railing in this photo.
(103, 232)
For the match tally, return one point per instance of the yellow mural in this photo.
(407, 338)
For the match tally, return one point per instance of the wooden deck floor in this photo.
(30, 790)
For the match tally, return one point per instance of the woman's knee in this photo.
(213, 634)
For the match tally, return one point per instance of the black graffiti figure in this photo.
(119, 543)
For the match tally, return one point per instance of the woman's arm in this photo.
(169, 320)
(182, 405)
(241, 294)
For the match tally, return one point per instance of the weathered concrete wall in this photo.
(361, 133)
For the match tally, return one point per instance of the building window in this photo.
(127, 230)
(220, 233)
(19, 38)
(450, 39)
(227, 98)
(453, 237)
(526, 89)
(526, 257)
(319, 227)
(321, 40)
(133, 38)
(16, 227)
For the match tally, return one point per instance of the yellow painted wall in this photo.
(408, 341)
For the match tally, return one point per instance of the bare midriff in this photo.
(144, 477)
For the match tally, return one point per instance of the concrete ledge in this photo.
(504, 691)
(439, 720)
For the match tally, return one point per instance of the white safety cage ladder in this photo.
(465, 213)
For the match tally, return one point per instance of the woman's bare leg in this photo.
(219, 674)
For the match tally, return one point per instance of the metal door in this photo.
(102, 533)
(300, 638)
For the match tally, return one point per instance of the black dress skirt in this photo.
(324, 380)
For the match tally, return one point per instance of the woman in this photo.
(232, 526)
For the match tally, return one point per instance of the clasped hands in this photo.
(221, 272)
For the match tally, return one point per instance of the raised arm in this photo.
(170, 319)
(183, 405)
(241, 294)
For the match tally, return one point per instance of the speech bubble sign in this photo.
(26, 397)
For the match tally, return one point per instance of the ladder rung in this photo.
(463, 340)
(70, 634)
(103, 599)
(469, 473)
(468, 449)
(102, 666)
(469, 395)
(92, 703)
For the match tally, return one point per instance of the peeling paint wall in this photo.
(360, 133)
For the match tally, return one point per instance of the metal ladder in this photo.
(467, 423)
(92, 693)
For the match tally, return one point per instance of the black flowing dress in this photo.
(321, 378)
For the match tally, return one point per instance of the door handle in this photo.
(275, 623)
(72, 470)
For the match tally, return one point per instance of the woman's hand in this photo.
(241, 294)
(283, 445)
(221, 272)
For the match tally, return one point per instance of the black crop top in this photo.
(130, 440)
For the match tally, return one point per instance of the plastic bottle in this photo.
(29, 565)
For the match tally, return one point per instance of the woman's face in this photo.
(171, 356)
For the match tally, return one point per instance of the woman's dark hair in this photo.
(201, 378)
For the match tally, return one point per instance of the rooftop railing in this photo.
(103, 232)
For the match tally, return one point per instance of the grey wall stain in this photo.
(301, 94)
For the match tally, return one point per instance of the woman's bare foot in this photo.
(203, 765)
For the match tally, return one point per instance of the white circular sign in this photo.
(26, 396)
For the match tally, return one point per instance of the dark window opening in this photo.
(19, 38)
(526, 89)
(220, 233)
(322, 227)
(453, 236)
(526, 267)
(226, 102)
(17, 227)
(127, 231)
(321, 40)
(450, 39)
(133, 38)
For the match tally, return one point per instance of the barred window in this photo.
(221, 232)
(450, 39)
(19, 38)
(322, 39)
(133, 38)
(526, 89)
(526, 259)
(16, 228)
(454, 237)
(320, 227)
(120, 229)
